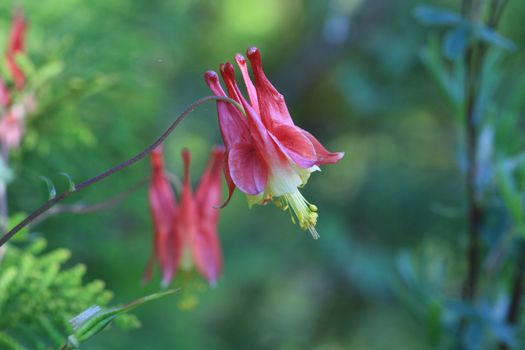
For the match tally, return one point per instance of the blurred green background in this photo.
(351, 74)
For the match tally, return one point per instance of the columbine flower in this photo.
(12, 126)
(163, 210)
(15, 47)
(268, 156)
(198, 217)
(186, 233)
(5, 96)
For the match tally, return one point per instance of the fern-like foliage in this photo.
(38, 297)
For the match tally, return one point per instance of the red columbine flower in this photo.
(198, 218)
(163, 210)
(186, 234)
(12, 126)
(268, 156)
(5, 96)
(16, 46)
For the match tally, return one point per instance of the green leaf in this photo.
(46, 73)
(511, 197)
(436, 16)
(455, 42)
(38, 297)
(70, 180)
(95, 319)
(50, 187)
(490, 36)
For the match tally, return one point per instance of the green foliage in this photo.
(38, 297)
(95, 319)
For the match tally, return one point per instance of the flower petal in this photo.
(208, 194)
(4, 94)
(163, 210)
(295, 145)
(206, 250)
(323, 155)
(16, 46)
(205, 244)
(248, 171)
(271, 103)
(232, 124)
(258, 131)
(229, 183)
(252, 92)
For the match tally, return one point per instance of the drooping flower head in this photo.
(12, 126)
(5, 96)
(186, 233)
(268, 156)
(16, 46)
(198, 218)
(163, 211)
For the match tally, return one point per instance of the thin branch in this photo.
(473, 62)
(82, 208)
(50, 203)
(497, 12)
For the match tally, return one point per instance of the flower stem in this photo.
(516, 292)
(473, 63)
(50, 203)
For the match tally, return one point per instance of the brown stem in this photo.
(50, 203)
(473, 65)
(473, 61)
(496, 11)
(513, 312)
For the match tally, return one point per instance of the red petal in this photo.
(163, 209)
(208, 194)
(232, 124)
(205, 244)
(247, 169)
(258, 131)
(16, 72)
(295, 144)
(15, 46)
(229, 182)
(271, 103)
(323, 155)
(206, 252)
(17, 34)
(4, 94)
(252, 93)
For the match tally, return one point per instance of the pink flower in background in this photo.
(12, 126)
(268, 156)
(16, 46)
(186, 233)
(198, 217)
(163, 209)
(5, 96)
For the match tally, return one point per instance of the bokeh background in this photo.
(352, 75)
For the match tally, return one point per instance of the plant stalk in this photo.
(50, 203)
(513, 312)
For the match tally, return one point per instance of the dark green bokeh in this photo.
(351, 74)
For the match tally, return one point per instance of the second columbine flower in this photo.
(185, 233)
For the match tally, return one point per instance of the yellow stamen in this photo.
(305, 212)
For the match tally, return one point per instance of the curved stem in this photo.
(50, 203)
(81, 208)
